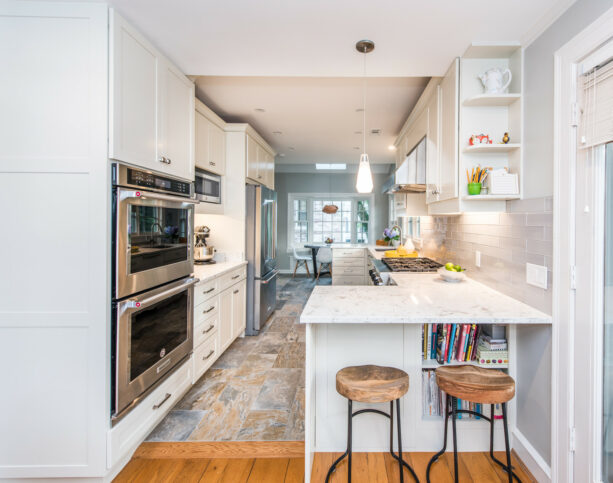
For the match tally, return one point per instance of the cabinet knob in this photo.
(259, 176)
(236, 291)
(168, 161)
(162, 159)
(211, 163)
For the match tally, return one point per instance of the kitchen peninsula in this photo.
(356, 325)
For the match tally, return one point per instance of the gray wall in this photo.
(538, 93)
(286, 183)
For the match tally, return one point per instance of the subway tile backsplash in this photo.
(507, 241)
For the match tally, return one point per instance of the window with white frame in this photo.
(350, 224)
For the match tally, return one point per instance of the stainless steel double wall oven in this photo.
(153, 237)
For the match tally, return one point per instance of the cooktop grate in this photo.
(412, 264)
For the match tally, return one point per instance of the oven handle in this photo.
(144, 195)
(136, 303)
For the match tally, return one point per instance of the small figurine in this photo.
(506, 138)
(479, 139)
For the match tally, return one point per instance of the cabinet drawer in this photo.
(204, 291)
(348, 262)
(348, 252)
(204, 356)
(348, 280)
(232, 277)
(205, 329)
(206, 310)
(128, 433)
(341, 271)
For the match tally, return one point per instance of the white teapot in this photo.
(493, 81)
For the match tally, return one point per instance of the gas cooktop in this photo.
(412, 264)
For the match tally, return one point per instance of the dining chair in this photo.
(300, 259)
(324, 257)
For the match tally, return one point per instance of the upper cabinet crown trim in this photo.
(248, 129)
(207, 112)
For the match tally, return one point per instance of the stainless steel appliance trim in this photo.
(274, 228)
(126, 283)
(144, 195)
(126, 391)
(122, 179)
(212, 177)
(269, 278)
(259, 258)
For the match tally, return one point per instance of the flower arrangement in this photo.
(391, 235)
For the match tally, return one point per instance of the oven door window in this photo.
(157, 236)
(156, 331)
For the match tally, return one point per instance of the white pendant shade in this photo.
(364, 183)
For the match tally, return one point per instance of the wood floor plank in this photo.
(439, 472)
(518, 468)
(269, 470)
(479, 467)
(295, 471)
(235, 470)
(359, 469)
(221, 449)
(130, 471)
(340, 474)
(321, 464)
(464, 474)
(190, 470)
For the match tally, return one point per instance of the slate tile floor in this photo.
(255, 390)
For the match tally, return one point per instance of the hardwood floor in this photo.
(279, 463)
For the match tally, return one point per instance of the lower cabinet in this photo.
(224, 334)
(348, 266)
(239, 309)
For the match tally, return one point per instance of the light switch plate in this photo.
(477, 258)
(536, 275)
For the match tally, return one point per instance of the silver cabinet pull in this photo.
(209, 329)
(236, 291)
(212, 307)
(211, 163)
(208, 291)
(208, 355)
(259, 176)
(235, 277)
(162, 159)
(158, 405)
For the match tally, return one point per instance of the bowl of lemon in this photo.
(452, 273)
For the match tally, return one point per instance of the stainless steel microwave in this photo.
(207, 186)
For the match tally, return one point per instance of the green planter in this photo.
(474, 188)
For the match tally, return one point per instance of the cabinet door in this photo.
(448, 167)
(261, 163)
(134, 65)
(202, 141)
(252, 159)
(224, 331)
(432, 148)
(217, 146)
(238, 309)
(176, 125)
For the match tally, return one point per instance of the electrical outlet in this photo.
(536, 275)
(477, 258)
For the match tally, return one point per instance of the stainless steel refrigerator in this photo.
(261, 253)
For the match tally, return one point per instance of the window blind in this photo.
(596, 125)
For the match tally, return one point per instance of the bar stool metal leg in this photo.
(400, 469)
(399, 458)
(508, 467)
(442, 451)
(454, 403)
(348, 452)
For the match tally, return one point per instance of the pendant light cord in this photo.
(364, 102)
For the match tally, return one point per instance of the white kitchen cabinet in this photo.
(151, 115)
(224, 331)
(260, 163)
(448, 140)
(432, 148)
(239, 309)
(252, 158)
(210, 149)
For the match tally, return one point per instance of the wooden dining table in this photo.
(314, 249)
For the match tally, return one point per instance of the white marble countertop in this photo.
(418, 298)
(208, 271)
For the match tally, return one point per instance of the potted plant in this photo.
(392, 236)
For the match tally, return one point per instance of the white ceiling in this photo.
(316, 116)
(316, 37)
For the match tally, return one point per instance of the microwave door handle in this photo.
(145, 195)
(144, 303)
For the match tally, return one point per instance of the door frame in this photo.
(566, 60)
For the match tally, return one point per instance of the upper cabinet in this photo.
(260, 160)
(210, 140)
(448, 141)
(151, 105)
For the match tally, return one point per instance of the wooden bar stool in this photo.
(478, 385)
(372, 384)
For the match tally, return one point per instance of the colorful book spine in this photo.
(434, 342)
(454, 329)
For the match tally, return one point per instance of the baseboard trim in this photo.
(221, 449)
(531, 458)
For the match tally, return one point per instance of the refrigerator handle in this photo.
(274, 229)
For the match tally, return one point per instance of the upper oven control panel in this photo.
(139, 178)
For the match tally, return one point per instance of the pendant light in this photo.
(364, 182)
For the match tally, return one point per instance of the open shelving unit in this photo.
(493, 115)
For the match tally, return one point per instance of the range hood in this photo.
(410, 177)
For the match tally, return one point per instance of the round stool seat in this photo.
(475, 384)
(372, 384)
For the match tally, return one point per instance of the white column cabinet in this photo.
(239, 309)
(448, 144)
(151, 105)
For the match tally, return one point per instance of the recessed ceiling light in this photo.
(376, 132)
(277, 132)
(391, 147)
(359, 109)
(330, 166)
(259, 109)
